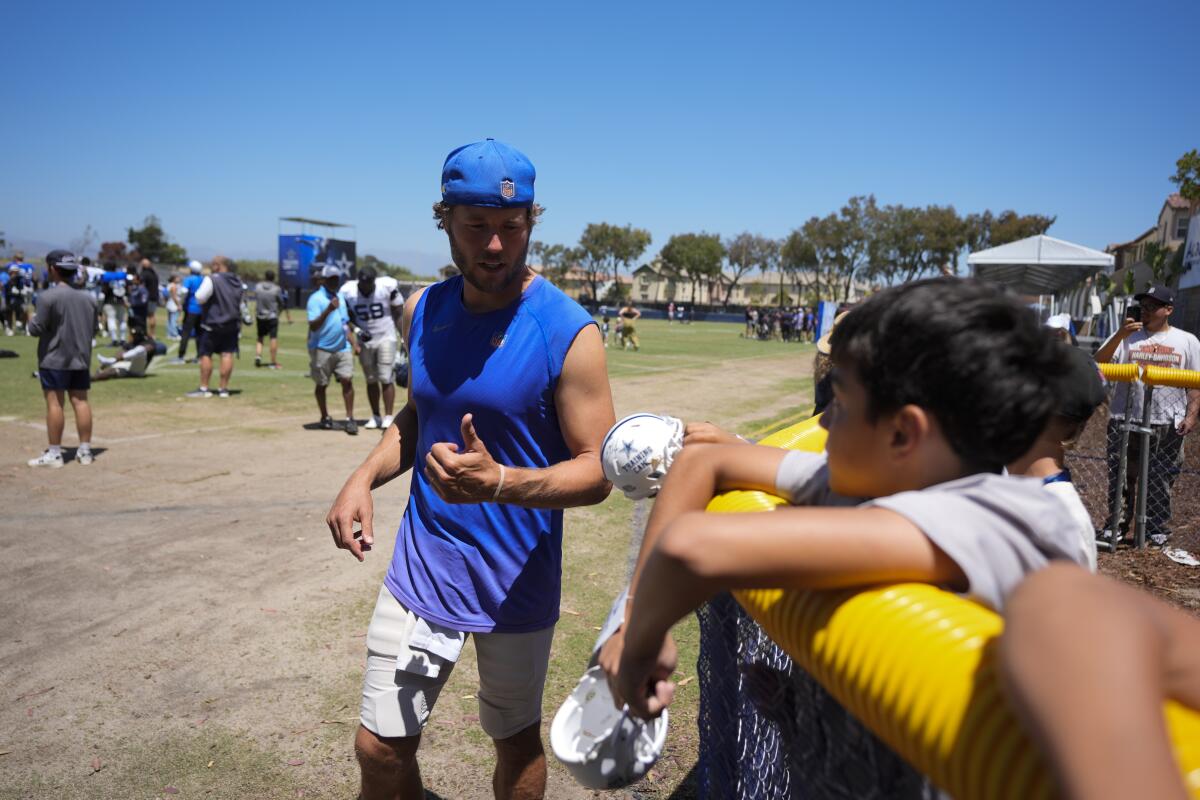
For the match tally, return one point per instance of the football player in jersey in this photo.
(375, 305)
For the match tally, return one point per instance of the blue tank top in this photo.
(487, 566)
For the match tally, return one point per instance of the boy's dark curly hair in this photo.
(968, 353)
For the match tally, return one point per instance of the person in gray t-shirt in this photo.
(269, 298)
(937, 385)
(64, 324)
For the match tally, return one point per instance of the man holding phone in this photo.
(1148, 339)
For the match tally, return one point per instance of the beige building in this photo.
(1169, 231)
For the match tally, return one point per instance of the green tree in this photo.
(987, 230)
(381, 267)
(748, 251)
(842, 243)
(798, 258)
(605, 249)
(908, 243)
(1165, 264)
(696, 256)
(556, 261)
(150, 241)
(1187, 177)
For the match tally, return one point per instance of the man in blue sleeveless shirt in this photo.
(508, 404)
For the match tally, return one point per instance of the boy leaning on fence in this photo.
(937, 385)
(1080, 392)
(1150, 342)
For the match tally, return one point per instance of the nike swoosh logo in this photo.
(438, 328)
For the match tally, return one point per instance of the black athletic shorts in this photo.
(63, 379)
(268, 327)
(221, 340)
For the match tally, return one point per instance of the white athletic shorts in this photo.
(397, 697)
(323, 364)
(378, 359)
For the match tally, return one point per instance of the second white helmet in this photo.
(638, 451)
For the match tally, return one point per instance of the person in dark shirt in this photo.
(65, 320)
(150, 281)
(139, 302)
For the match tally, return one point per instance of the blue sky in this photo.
(676, 117)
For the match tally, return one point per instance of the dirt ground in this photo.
(175, 621)
(1147, 569)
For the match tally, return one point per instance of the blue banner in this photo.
(341, 254)
(296, 254)
(826, 311)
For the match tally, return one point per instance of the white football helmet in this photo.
(601, 746)
(638, 451)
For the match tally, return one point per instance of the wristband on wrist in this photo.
(499, 484)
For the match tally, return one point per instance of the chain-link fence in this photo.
(768, 730)
(1137, 479)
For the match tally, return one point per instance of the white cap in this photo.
(195, 266)
(1062, 321)
(331, 271)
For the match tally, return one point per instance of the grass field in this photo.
(665, 348)
(180, 663)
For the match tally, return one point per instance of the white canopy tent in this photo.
(1039, 264)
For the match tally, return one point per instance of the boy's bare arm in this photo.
(699, 474)
(700, 554)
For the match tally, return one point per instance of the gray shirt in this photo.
(997, 528)
(64, 323)
(267, 296)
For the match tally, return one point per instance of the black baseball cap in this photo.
(1162, 294)
(63, 260)
(366, 275)
(1080, 387)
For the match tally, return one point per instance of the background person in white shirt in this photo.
(375, 306)
(1151, 342)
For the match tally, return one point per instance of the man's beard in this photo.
(515, 273)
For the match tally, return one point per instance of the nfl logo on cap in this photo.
(489, 174)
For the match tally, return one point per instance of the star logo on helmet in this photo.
(628, 448)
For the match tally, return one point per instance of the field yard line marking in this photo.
(211, 429)
(41, 426)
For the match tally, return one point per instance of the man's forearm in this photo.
(575, 482)
(394, 454)
(1109, 348)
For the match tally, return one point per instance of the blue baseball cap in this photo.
(488, 173)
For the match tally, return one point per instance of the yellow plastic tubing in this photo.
(917, 665)
(1161, 376)
(1119, 372)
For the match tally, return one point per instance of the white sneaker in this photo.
(387, 422)
(47, 460)
(84, 457)
(372, 423)
(106, 360)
